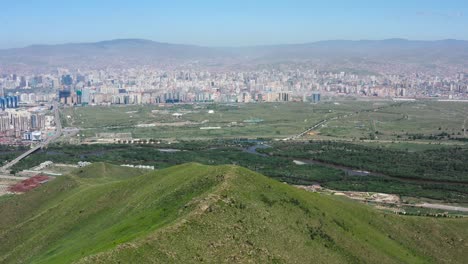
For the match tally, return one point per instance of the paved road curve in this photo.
(57, 134)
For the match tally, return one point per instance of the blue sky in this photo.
(229, 22)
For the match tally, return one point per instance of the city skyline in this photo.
(239, 23)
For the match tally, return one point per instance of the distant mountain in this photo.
(132, 52)
(102, 54)
(194, 213)
(390, 49)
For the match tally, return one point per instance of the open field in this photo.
(413, 120)
(215, 214)
(238, 120)
(354, 120)
(426, 116)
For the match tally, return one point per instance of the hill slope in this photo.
(194, 213)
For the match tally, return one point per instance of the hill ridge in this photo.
(216, 214)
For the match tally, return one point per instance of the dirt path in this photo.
(441, 207)
(12, 177)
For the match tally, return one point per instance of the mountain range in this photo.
(132, 52)
(193, 213)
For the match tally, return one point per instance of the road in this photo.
(58, 133)
(442, 207)
(8, 177)
(310, 129)
(324, 121)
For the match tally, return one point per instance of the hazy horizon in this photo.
(229, 23)
(232, 46)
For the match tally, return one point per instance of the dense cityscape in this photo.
(150, 86)
(27, 98)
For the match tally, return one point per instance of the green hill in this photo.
(195, 213)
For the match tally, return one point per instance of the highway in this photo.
(58, 133)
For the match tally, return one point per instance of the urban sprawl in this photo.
(26, 100)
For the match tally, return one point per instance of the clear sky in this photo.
(229, 22)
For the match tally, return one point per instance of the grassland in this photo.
(216, 214)
(275, 120)
(355, 120)
(415, 120)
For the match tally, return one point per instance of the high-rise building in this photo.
(79, 95)
(23, 82)
(64, 96)
(283, 97)
(315, 98)
(67, 80)
(85, 96)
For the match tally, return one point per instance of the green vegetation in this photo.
(10, 152)
(411, 210)
(280, 165)
(224, 213)
(206, 152)
(379, 121)
(276, 120)
(413, 146)
(442, 164)
(216, 214)
(436, 173)
(427, 120)
(442, 192)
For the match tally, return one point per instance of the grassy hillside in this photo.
(196, 213)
